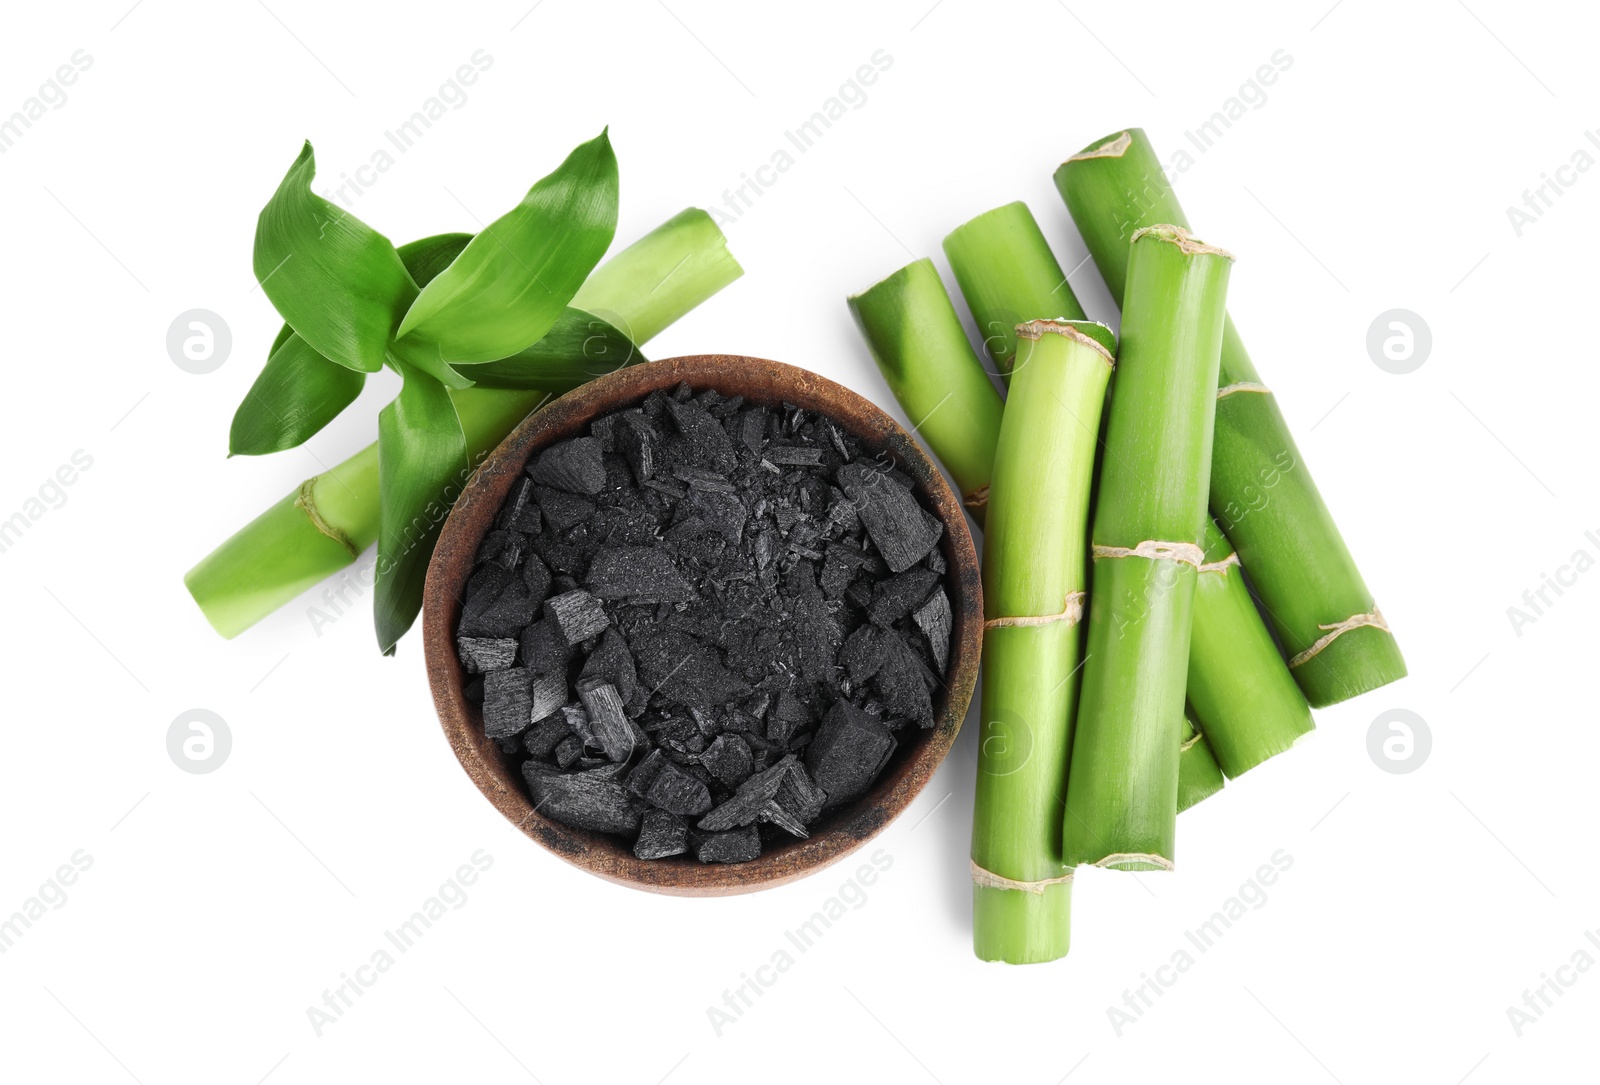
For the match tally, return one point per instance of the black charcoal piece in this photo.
(728, 759)
(638, 440)
(787, 716)
(607, 717)
(577, 720)
(683, 669)
(863, 653)
(536, 578)
(733, 846)
(612, 661)
(644, 574)
(776, 814)
(797, 794)
(753, 429)
(480, 654)
(546, 694)
(895, 522)
(723, 513)
(707, 442)
(543, 649)
(540, 740)
(577, 616)
(568, 750)
(934, 620)
(904, 681)
(574, 466)
(592, 799)
(517, 502)
(791, 455)
(563, 511)
(643, 774)
(747, 801)
(497, 612)
(507, 703)
(661, 834)
(473, 690)
(698, 478)
(673, 788)
(849, 751)
(898, 596)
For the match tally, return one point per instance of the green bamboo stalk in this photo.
(1243, 697)
(1199, 776)
(1008, 275)
(1123, 786)
(922, 350)
(1262, 493)
(330, 519)
(1033, 580)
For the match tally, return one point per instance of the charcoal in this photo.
(541, 739)
(491, 547)
(473, 690)
(638, 573)
(798, 795)
(898, 596)
(724, 513)
(728, 759)
(789, 455)
(607, 717)
(747, 802)
(863, 653)
(673, 788)
(707, 442)
(568, 750)
(517, 503)
(779, 815)
(733, 846)
(480, 654)
(933, 618)
(642, 775)
(577, 720)
(591, 799)
(684, 669)
(698, 478)
(895, 522)
(563, 511)
(546, 694)
(753, 429)
(661, 834)
(848, 752)
(612, 661)
(787, 715)
(576, 615)
(839, 567)
(536, 578)
(573, 466)
(512, 553)
(639, 442)
(507, 703)
(498, 612)
(903, 681)
(543, 649)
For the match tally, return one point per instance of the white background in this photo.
(219, 907)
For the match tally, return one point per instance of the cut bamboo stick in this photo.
(1199, 776)
(1123, 786)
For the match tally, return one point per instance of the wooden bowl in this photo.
(840, 831)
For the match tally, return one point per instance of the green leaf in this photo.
(298, 392)
(427, 256)
(337, 281)
(578, 349)
(512, 281)
(422, 466)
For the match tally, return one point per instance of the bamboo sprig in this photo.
(1199, 776)
(1123, 786)
(1033, 578)
(1262, 493)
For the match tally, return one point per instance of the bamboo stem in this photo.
(1199, 776)
(920, 347)
(1123, 786)
(1243, 697)
(1033, 597)
(1008, 275)
(325, 525)
(1262, 493)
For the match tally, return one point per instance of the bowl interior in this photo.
(759, 381)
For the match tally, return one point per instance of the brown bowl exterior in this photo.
(758, 381)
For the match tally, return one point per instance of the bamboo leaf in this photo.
(579, 348)
(298, 392)
(337, 281)
(422, 465)
(512, 281)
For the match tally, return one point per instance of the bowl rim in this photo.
(759, 380)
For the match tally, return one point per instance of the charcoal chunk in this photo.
(507, 703)
(576, 615)
(563, 511)
(798, 795)
(747, 802)
(728, 758)
(661, 834)
(540, 740)
(638, 573)
(673, 788)
(574, 466)
(638, 440)
(480, 654)
(544, 650)
(536, 578)
(904, 682)
(684, 669)
(895, 522)
(787, 716)
(497, 612)
(898, 596)
(933, 618)
(849, 751)
(707, 442)
(790, 455)
(733, 846)
(568, 750)
(592, 799)
(546, 694)
(607, 718)
(612, 662)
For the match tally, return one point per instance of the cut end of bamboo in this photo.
(1135, 861)
(1186, 242)
(1114, 147)
(1090, 333)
